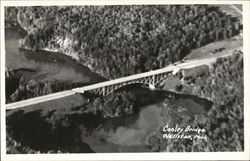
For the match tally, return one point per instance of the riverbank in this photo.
(19, 88)
(179, 110)
(40, 72)
(173, 115)
(223, 85)
(91, 119)
(140, 44)
(124, 120)
(60, 51)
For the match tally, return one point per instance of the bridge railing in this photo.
(40, 99)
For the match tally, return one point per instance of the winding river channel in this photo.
(45, 65)
(124, 134)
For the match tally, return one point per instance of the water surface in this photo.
(46, 65)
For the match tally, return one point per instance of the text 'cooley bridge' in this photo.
(152, 78)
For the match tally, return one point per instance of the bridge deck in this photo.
(174, 68)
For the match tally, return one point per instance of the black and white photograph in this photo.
(127, 78)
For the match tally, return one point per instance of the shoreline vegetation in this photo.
(144, 41)
(223, 85)
(140, 38)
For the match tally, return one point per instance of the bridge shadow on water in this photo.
(64, 131)
(146, 95)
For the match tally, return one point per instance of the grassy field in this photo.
(224, 46)
(217, 48)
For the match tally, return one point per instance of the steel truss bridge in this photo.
(151, 78)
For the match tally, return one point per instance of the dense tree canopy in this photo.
(117, 104)
(122, 40)
(224, 122)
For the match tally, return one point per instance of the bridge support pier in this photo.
(153, 81)
(103, 91)
(151, 86)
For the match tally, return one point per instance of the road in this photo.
(174, 68)
(237, 8)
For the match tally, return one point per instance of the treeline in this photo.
(225, 121)
(118, 41)
(225, 87)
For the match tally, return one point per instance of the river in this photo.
(124, 134)
(46, 65)
(129, 133)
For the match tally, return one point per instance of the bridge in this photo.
(151, 78)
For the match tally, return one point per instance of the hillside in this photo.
(223, 85)
(117, 41)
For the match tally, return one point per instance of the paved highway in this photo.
(174, 68)
(237, 9)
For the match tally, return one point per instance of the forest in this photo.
(18, 88)
(225, 120)
(118, 41)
